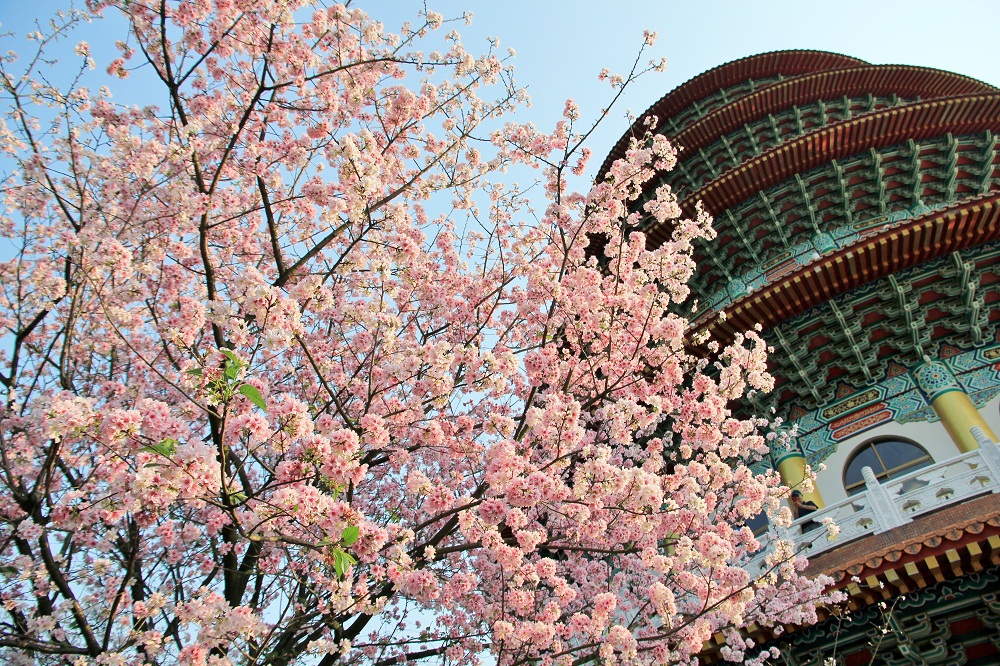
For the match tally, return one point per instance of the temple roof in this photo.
(764, 66)
(902, 80)
(956, 115)
(938, 233)
(855, 207)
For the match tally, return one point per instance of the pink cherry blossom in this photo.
(291, 368)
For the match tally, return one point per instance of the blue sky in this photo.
(562, 44)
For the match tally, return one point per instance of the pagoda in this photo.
(857, 209)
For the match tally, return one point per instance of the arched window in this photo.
(888, 458)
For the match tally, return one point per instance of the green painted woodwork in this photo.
(767, 132)
(863, 339)
(935, 626)
(955, 287)
(853, 190)
(709, 103)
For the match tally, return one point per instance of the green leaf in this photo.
(230, 371)
(194, 371)
(350, 535)
(342, 562)
(253, 395)
(233, 358)
(166, 447)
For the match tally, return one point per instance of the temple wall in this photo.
(931, 435)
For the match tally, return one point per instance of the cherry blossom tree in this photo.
(292, 372)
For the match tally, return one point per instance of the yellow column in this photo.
(952, 405)
(791, 467)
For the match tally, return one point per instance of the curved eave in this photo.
(923, 239)
(878, 80)
(789, 63)
(960, 524)
(957, 115)
(957, 541)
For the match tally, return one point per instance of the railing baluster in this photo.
(881, 505)
(990, 453)
(887, 514)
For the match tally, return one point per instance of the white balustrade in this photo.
(885, 506)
